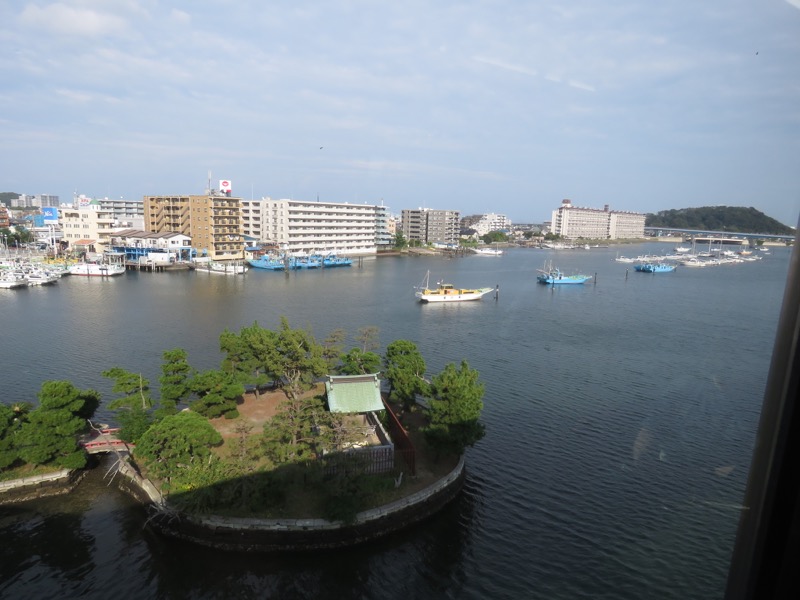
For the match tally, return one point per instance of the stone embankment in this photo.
(274, 535)
(253, 535)
(39, 486)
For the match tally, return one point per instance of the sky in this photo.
(470, 105)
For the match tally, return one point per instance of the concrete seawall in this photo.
(273, 535)
(39, 486)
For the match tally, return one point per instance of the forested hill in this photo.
(737, 219)
(7, 197)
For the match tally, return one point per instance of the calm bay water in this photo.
(620, 420)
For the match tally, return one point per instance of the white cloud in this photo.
(795, 3)
(581, 86)
(504, 65)
(61, 19)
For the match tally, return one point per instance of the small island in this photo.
(291, 444)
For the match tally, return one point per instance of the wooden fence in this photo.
(402, 442)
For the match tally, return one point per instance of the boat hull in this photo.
(96, 270)
(455, 296)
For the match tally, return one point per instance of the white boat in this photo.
(112, 263)
(446, 292)
(693, 261)
(12, 279)
(487, 251)
(222, 267)
(683, 249)
(38, 276)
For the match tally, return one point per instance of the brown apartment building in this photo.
(214, 222)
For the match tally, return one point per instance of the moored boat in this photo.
(488, 251)
(654, 268)
(12, 279)
(96, 269)
(446, 292)
(551, 275)
(222, 267)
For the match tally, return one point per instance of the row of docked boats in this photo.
(286, 262)
(26, 274)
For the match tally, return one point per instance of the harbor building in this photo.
(431, 226)
(87, 228)
(308, 227)
(572, 222)
(137, 245)
(213, 221)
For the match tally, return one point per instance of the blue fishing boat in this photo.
(274, 263)
(553, 276)
(654, 268)
(331, 260)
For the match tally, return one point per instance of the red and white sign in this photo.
(224, 185)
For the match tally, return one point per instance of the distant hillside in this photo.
(7, 197)
(736, 219)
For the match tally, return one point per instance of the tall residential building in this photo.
(29, 201)
(213, 222)
(572, 222)
(254, 226)
(129, 213)
(430, 226)
(299, 226)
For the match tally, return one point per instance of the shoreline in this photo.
(242, 534)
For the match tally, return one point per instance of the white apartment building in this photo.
(492, 222)
(572, 222)
(253, 225)
(128, 213)
(307, 227)
(87, 227)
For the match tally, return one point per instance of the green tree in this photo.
(455, 405)
(494, 236)
(248, 354)
(405, 371)
(400, 241)
(358, 362)
(51, 433)
(217, 392)
(174, 381)
(134, 388)
(175, 443)
(298, 431)
(368, 338)
(133, 406)
(332, 347)
(133, 423)
(298, 360)
(9, 426)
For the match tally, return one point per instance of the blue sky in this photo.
(477, 106)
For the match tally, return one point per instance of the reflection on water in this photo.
(620, 418)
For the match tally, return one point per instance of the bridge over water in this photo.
(100, 441)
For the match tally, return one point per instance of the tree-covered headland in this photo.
(193, 441)
(733, 219)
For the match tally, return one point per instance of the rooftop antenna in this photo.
(208, 189)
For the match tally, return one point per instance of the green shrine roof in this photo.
(354, 393)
